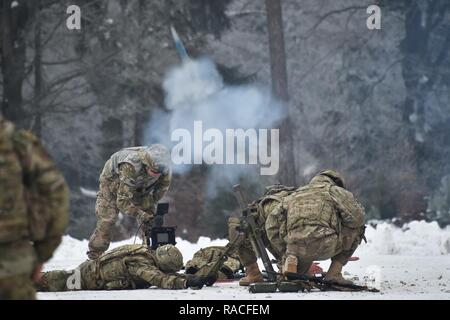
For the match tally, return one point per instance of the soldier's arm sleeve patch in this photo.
(135, 161)
(128, 175)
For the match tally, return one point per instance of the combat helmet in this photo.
(169, 258)
(156, 157)
(335, 176)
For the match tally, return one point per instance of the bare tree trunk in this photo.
(12, 23)
(425, 49)
(280, 88)
(38, 81)
(277, 51)
(138, 113)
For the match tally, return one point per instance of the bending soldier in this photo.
(126, 267)
(34, 210)
(133, 180)
(319, 221)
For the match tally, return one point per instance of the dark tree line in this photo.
(373, 105)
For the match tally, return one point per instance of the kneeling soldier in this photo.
(319, 221)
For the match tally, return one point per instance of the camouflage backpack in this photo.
(278, 188)
(275, 193)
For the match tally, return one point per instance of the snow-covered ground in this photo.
(412, 262)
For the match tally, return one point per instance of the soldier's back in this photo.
(312, 205)
(110, 270)
(33, 210)
(17, 257)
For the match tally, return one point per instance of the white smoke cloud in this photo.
(195, 91)
(191, 83)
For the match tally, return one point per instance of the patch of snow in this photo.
(412, 262)
(88, 193)
(415, 238)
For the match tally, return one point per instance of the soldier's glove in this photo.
(144, 217)
(195, 282)
(210, 280)
(205, 272)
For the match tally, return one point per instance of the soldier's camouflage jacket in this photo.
(314, 211)
(125, 267)
(126, 177)
(322, 209)
(34, 201)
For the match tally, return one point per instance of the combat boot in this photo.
(253, 275)
(334, 274)
(290, 265)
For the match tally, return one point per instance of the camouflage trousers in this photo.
(84, 277)
(17, 262)
(55, 280)
(17, 287)
(244, 248)
(107, 214)
(315, 243)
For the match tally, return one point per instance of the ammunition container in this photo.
(287, 286)
(263, 287)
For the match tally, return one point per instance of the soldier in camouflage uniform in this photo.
(204, 259)
(319, 221)
(133, 180)
(34, 201)
(126, 267)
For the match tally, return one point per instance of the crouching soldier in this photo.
(319, 221)
(133, 180)
(125, 267)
